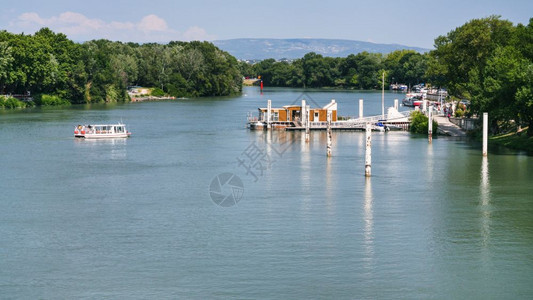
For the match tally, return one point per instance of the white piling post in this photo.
(368, 152)
(360, 108)
(485, 133)
(430, 124)
(328, 147)
(307, 120)
(269, 109)
(396, 104)
(424, 106)
(303, 112)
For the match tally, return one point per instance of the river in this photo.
(143, 217)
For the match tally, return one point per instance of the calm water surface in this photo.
(134, 218)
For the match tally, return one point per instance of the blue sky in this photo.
(412, 23)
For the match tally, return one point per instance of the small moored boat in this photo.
(101, 131)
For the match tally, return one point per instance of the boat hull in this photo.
(103, 136)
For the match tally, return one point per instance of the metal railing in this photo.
(375, 119)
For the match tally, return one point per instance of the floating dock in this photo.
(303, 117)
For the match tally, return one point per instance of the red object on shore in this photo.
(261, 85)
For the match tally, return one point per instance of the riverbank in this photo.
(514, 140)
(151, 98)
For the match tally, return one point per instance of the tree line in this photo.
(48, 63)
(358, 71)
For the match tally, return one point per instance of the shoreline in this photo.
(152, 98)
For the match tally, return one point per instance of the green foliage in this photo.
(459, 112)
(111, 93)
(520, 141)
(489, 61)
(361, 71)
(51, 100)
(406, 66)
(100, 70)
(157, 92)
(10, 103)
(419, 123)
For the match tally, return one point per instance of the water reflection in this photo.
(107, 141)
(114, 148)
(268, 143)
(330, 201)
(369, 221)
(484, 192)
(305, 163)
(430, 163)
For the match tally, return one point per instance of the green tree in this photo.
(488, 60)
(6, 65)
(463, 52)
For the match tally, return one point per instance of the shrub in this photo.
(10, 103)
(157, 92)
(419, 123)
(51, 100)
(111, 93)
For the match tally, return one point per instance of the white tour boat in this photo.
(101, 131)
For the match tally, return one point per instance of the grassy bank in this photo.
(513, 140)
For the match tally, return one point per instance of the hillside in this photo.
(246, 49)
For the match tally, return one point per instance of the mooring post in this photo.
(328, 147)
(360, 108)
(430, 124)
(303, 112)
(307, 121)
(396, 104)
(485, 133)
(269, 109)
(368, 151)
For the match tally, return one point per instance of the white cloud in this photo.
(152, 23)
(76, 26)
(28, 19)
(196, 33)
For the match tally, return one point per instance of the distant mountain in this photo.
(249, 49)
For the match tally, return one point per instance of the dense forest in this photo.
(50, 64)
(357, 71)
